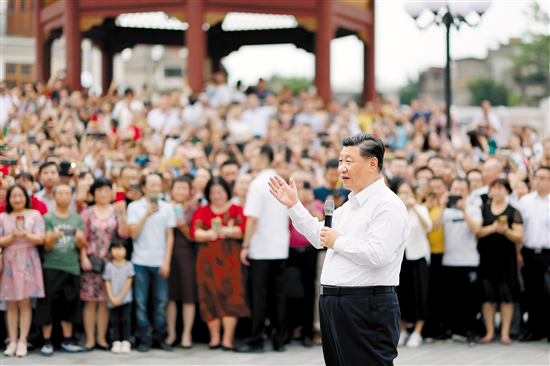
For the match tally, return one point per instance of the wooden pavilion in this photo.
(319, 21)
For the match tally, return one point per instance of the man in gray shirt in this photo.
(151, 228)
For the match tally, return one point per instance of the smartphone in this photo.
(4, 148)
(20, 222)
(120, 196)
(69, 232)
(178, 211)
(452, 201)
(503, 219)
(155, 199)
(31, 139)
(64, 168)
(9, 162)
(133, 186)
(216, 223)
(307, 185)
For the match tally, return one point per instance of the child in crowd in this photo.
(118, 276)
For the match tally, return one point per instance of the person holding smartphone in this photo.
(151, 227)
(22, 229)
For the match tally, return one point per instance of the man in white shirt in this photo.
(48, 175)
(491, 171)
(257, 117)
(359, 309)
(265, 250)
(151, 227)
(535, 211)
(310, 117)
(163, 120)
(124, 110)
(460, 223)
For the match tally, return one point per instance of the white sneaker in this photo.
(403, 338)
(414, 341)
(47, 350)
(126, 347)
(21, 349)
(116, 347)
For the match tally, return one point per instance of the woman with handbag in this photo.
(218, 227)
(103, 221)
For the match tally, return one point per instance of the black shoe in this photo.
(248, 348)
(279, 348)
(165, 346)
(224, 348)
(215, 346)
(471, 340)
(143, 347)
(102, 348)
(307, 342)
(530, 337)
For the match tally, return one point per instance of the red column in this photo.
(325, 33)
(195, 41)
(43, 48)
(73, 47)
(369, 86)
(106, 69)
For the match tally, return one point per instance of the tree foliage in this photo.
(409, 92)
(487, 89)
(277, 83)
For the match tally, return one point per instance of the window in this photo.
(25, 69)
(10, 69)
(173, 72)
(22, 4)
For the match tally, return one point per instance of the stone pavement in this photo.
(535, 353)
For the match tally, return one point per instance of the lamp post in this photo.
(447, 13)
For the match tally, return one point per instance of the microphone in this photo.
(329, 209)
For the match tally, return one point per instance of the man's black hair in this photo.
(230, 162)
(267, 150)
(47, 164)
(369, 147)
(332, 163)
(25, 175)
(421, 169)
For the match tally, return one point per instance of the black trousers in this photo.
(120, 322)
(537, 303)
(461, 304)
(300, 311)
(359, 330)
(436, 303)
(267, 287)
(62, 290)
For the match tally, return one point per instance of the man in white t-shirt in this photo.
(163, 120)
(151, 227)
(310, 117)
(461, 222)
(124, 110)
(257, 117)
(265, 250)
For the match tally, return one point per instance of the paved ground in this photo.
(535, 353)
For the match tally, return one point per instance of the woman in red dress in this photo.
(219, 226)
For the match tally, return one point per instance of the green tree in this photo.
(277, 83)
(531, 64)
(486, 88)
(409, 92)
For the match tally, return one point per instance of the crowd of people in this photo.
(118, 209)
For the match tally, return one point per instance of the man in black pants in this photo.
(359, 309)
(265, 250)
(536, 255)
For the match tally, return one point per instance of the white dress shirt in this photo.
(258, 119)
(417, 245)
(535, 212)
(374, 225)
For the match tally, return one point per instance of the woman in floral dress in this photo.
(22, 228)
(101, 221)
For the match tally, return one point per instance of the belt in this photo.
(538, 250)
(364, 290)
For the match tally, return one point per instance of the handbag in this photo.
(98, 264)
(547, 281)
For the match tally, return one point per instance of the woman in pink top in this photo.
(101, 222)
(22, 228)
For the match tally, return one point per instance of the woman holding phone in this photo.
(22, 228)
(498, 259)
(219, 226)
(182, 284)
(102, 222)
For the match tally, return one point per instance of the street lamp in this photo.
(448, 13)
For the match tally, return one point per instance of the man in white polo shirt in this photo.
(151, 227)
(460, 224)
(265, 250)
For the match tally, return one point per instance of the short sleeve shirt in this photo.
(64, 256)
(118, 275)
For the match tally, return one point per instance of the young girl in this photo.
(118, 276)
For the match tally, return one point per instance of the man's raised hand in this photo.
(284, 193)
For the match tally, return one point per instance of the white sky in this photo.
(402, 50)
